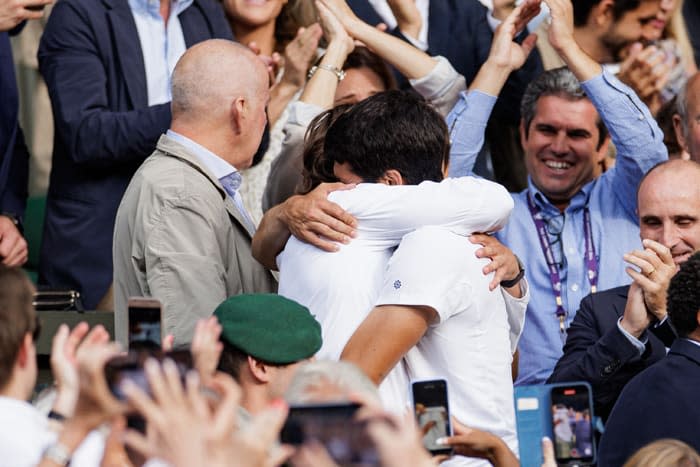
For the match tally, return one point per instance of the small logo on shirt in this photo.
(397, 284)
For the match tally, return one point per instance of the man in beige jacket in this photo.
(182, 234)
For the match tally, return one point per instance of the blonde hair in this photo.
(665, 453)
(677, 30)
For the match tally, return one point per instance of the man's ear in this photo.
(259, 370)
(602, 14)
(25, 351)
(602, 151)
(392, 177)
(237, 114)
(678, 129)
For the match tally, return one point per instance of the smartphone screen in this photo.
(333, 428)
(572, 424)
(130, 367)
(144, 322)
(432, 413)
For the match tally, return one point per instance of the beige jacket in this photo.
(179, 238)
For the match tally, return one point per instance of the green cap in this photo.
(269, 327)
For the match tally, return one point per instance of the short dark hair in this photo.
(17, 317)
(233, 358)
(683, 298)
(582, 9)
(391, 130)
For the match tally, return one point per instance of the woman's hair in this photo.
(665, 453)
(294, 15)
(677, 30)
(317, 169)
(362, 57)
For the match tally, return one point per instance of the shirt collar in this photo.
(579, 200)
(153, 6)
(215, 164)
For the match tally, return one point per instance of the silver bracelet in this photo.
(340, 74)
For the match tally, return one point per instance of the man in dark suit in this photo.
(14, 158)
(620, 332)
(661, 402)
(101, 87)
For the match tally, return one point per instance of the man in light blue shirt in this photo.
(572, 225)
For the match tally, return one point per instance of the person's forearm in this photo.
(271, 237)
(281, 95)
(71, 436)
(320, 88)
(407, 59)
(491, 78)
(579, 62)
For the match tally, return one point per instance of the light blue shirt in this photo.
(611, 199)
(218, 167)
(161, 47)
(467, 124)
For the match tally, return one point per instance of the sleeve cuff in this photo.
(639, 344)
(301, 113)
(442, 73)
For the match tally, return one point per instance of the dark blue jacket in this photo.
(661, 402)
(597, 352)
(91, 59)
(14, 158)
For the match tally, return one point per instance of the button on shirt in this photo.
(227, 174)
(611, 199)
(161, 46)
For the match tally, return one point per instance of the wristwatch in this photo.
(339, 73)
(58, 454)
(510, 283)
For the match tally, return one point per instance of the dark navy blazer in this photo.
(596, 351)
(91, 59)
(661, 402)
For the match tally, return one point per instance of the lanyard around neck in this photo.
(554, 276)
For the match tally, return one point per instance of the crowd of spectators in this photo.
(332, 199)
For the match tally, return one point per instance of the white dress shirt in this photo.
(470, 344)
(161, 46)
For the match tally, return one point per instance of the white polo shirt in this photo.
(470, 346)
(341, 288)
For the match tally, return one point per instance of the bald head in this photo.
(669, 207)
(210, 74)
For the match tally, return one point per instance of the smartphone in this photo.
(145, 316)
(334, 427)
(432, 412)
(572, 424)
(130, 367)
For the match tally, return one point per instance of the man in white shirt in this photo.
(437, 312)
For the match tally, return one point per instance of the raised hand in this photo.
(299, 54)
(407, 17)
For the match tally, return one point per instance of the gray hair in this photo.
(342, 377)
(560, 82)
